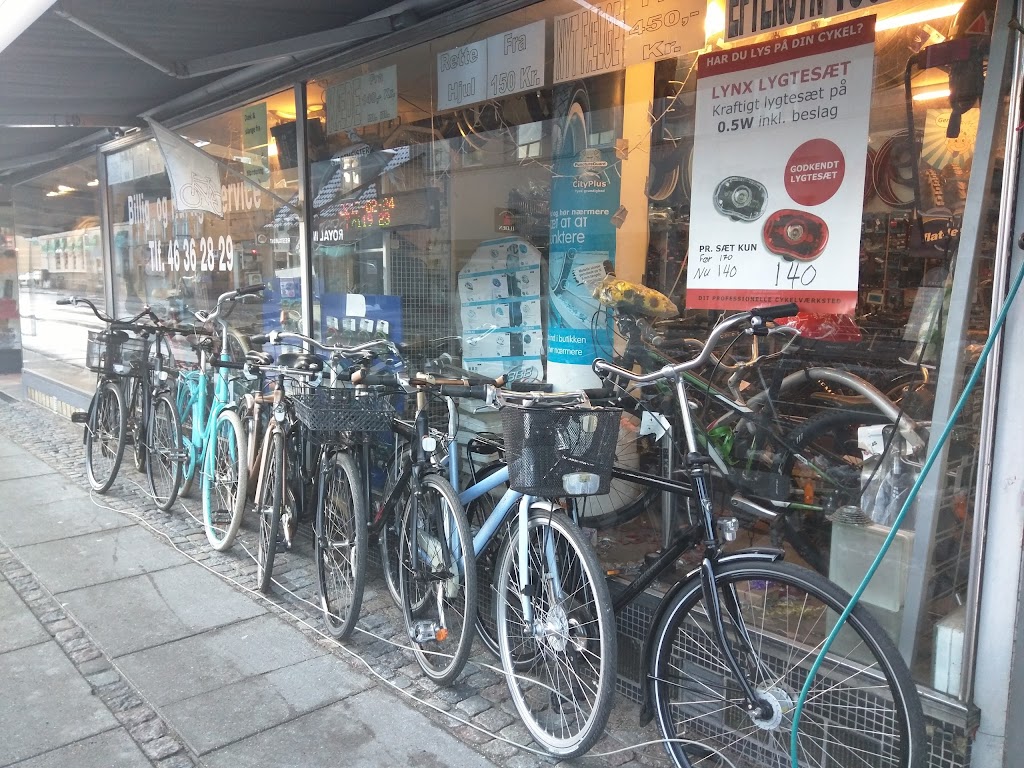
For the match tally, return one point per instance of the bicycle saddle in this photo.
(301, 361)
(117, 336)
(258, 358)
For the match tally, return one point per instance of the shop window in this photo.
(56, 220)
(180, 260)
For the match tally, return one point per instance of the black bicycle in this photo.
(733, 641)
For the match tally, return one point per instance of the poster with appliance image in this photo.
(584, 213)
(778, 173)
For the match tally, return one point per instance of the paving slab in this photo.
(56, 520)
(20, 626)
(7, 448)
(94, 558)
(206, 661)
(109, 749)
(144, 611)
(23, 465)
(233, 712)
(368, 729)
(45, 703)
(25, 494)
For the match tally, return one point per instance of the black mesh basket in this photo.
(111, 353)
(344, 410)
(560, 451)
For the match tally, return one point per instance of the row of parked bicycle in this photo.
(481, 537)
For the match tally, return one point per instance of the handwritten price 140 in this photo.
(191, 255)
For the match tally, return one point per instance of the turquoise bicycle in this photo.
(213, 437)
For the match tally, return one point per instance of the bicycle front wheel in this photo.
(439, 593)
(862, 708)
(225, 481)
(163, 452)
(269, 506)
(561, 665)
(105, 436)
(341, 540)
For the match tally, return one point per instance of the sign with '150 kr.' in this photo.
(778, 175)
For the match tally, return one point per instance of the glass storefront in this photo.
(178, 262)
(59, 247)
(468, 195)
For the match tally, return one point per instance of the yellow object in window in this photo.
(634, 298)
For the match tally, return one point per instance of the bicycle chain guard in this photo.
(740, 198)
(795, 235)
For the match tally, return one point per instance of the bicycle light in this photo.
(795, 235)
(740, 198)
(429, 444)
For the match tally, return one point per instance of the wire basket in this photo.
(560, 451)
(112, 353)
(344, 410)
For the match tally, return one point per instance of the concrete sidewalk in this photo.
(118, 650)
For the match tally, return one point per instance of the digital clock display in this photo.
(401, 210)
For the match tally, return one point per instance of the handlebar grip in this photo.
(522, 385)
(251, 289)
(65, 300)
(472, 391)
(228, 364)
(259, 338)
(775, 312)
(374, 379)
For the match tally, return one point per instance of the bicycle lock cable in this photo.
(925, 469)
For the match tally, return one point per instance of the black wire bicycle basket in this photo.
(344, 410)
(560, 451)
(111, 352)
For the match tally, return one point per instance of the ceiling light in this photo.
(917, 17)
(929, 95)
(63, 189)
(52, 193)
(93, 183)
(714, 21)
(272, 148)
(200, 143)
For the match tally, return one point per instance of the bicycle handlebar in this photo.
(228, 296)
(129, 323)
(287, 337)
(756, 317)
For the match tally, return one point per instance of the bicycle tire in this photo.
(439, 597)
(625, 499)
(828, 441)
(387, 539)
(190, 466)
(577, 637)
(105, 436)
(341, 541)
(163, 452)
(225, 481)
(137, 422)
(269, 508)
(712, 726)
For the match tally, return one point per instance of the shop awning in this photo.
(85, 70)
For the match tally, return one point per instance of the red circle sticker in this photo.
(814, 172)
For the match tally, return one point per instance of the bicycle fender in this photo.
(760, 554)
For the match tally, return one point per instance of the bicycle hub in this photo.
(795, 235)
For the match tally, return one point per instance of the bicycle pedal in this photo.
(80, 417)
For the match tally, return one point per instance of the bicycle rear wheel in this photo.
(561, 667)
(225, 480)
(105, 436)
(269, 507)
(136, 421)
(163, 452)
(387, 539)
(439, 595)
(862, 710)
(341, 541)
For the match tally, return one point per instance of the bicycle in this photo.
(127, 374)
(793, 472)
(732, 641)
(273, 469)
(214, 440)
(543, 602)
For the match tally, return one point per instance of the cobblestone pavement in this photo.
(476, 709)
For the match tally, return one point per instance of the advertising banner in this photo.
(584, 210)
(778, 175)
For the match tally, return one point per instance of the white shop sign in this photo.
(499, 66)
(364, 100)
